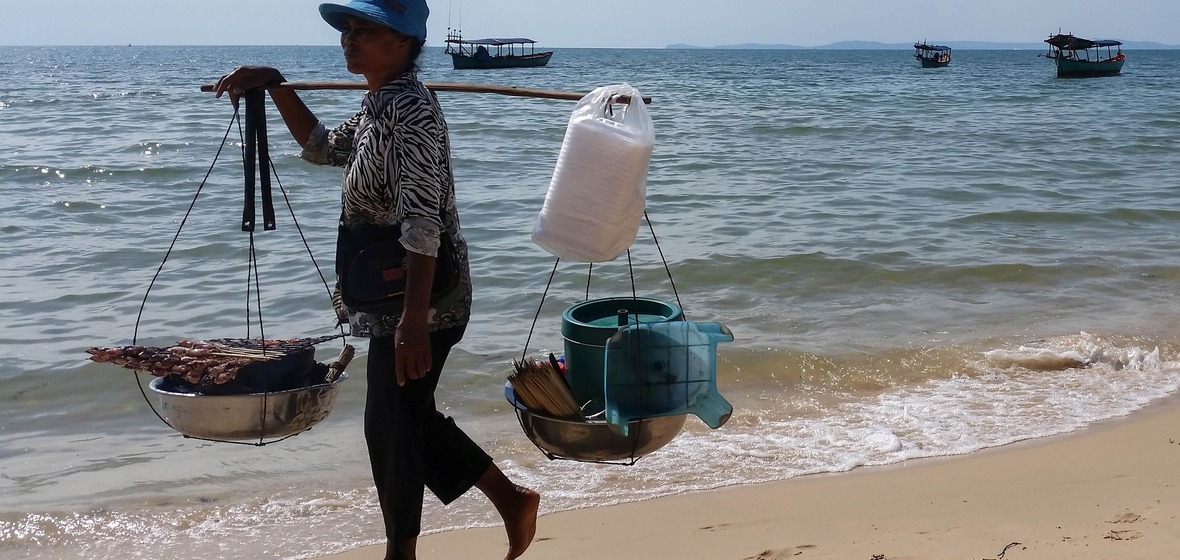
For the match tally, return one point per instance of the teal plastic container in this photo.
(586, 326)
(665, 369)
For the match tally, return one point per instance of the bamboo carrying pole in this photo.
(465, 87)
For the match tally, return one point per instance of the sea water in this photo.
(914, 263)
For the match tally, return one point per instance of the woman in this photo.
(397, 170)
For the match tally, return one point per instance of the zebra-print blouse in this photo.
(397, 169)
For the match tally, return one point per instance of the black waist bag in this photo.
(371, 263)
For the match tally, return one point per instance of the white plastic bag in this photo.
(595, 200)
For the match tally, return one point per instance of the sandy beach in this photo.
(1111, 491)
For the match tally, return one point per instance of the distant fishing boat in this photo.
(932, 56)
(1079, 58)
(494, 52)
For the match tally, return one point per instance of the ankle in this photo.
(407, 551)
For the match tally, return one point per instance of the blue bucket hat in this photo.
(407, 17)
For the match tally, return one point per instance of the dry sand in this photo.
(1109, 492)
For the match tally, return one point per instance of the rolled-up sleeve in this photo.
(421, 235)
(330, 147)
(315, 150)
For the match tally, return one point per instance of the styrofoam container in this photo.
(596, 198)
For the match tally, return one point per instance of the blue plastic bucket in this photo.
(586, 326)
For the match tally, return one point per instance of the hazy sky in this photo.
(587, 23)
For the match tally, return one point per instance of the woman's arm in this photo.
(412, 337)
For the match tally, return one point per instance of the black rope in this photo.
(631, 272)
(152, 283)
(253, 266)
(183, 221)
(665, 261)
(139, 384)
(589, 273)
(257, 295)
(539, 305)
(259, 443)
(249, 274)
(306, 245)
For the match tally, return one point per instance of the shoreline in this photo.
(1111, 490)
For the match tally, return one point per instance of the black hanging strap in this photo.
(256, 153)
(249, 159)
(268, 208)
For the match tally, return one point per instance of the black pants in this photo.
(411, 444)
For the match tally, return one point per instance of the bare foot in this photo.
(520, 519)
(517, 506)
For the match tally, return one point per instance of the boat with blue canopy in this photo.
(494, 52)
(1079, 58)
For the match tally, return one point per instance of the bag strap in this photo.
(256, 150)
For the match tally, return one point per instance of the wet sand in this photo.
(1110, 491)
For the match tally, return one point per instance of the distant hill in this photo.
(748, 46)
(959, 45)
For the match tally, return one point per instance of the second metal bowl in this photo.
(590, 440)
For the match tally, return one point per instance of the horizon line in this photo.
(879, 45)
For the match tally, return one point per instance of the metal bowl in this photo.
(591, 440)
(253, 416)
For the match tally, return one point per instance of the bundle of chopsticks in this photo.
(542, 388)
